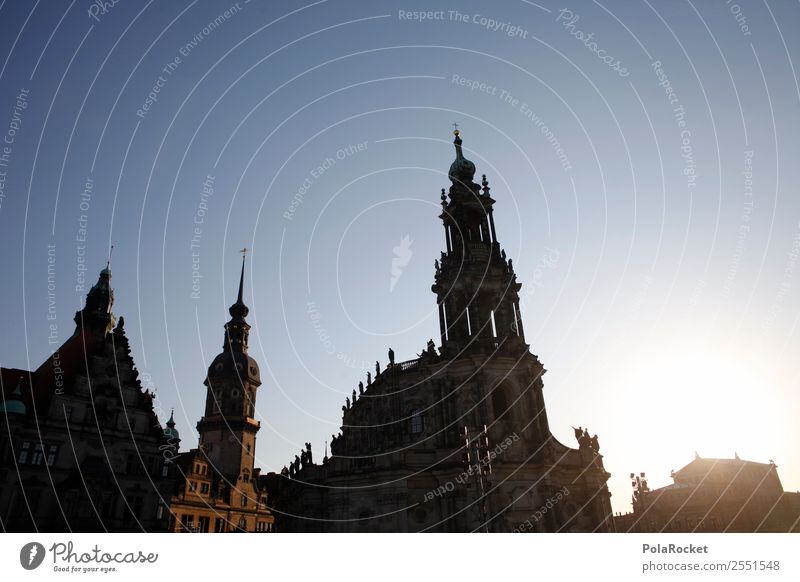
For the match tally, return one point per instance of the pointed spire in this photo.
(239, 309)
(171, 421)
(236, 330)
(241, 276)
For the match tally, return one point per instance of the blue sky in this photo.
(645, 175)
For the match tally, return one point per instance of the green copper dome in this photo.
(462, 169)
(14, 403)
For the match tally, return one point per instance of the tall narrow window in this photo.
(416, 422)
(499, 401)
(23, 452)
(494, 326)
(38, 454)
(469, 323)
(52, 451)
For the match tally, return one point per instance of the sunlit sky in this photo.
(646, 186)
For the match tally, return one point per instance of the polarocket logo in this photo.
(31, 555)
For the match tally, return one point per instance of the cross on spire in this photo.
(455, 128)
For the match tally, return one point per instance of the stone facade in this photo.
(714, 495)
(457, 439)
(81, 447)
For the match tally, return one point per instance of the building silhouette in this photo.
(217, 488)
(457, 439)
(81, 447)
(712, 496)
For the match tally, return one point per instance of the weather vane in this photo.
(243, 251)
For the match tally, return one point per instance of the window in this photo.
(246, 477)
(204, 488)
(52, 451)
(219, 525)
(160, 511)
(248, 449)
(416, 422)
(38, 454)
(23, 452)
(68, 413)
(202, 523)
(133, 508)
(243, 524)
(187, 521)
(192, 486)
(244, 500)
(165, 469)
(499, 402)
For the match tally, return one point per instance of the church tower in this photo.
(227, 428)
(475, 285)
(96, 316)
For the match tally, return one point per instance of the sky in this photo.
(643, 157)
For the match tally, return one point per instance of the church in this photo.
(457, 439)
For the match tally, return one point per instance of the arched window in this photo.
(243, 524)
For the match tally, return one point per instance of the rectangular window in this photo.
(187, 522)
(52, 452)
(204, 488)
(192, 486)
(244, 500)
(165, 469)
(23, 452)
(38, 454)
(203, 522)
(416, 422)
(219, 525)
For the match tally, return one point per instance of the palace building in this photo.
(714, 496)
(457, 439)
(81, 446)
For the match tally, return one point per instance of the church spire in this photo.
(96, 313)
(475, 284)
(237, 329)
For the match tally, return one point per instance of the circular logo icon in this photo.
(31, 555)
